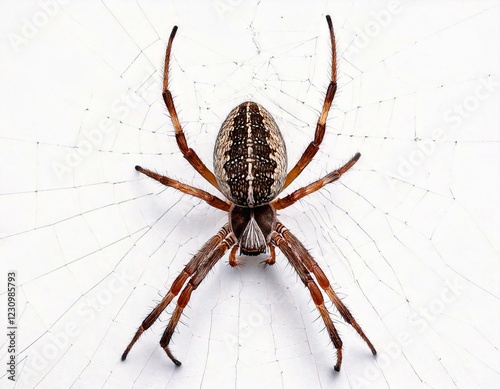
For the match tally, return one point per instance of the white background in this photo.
(409, 237)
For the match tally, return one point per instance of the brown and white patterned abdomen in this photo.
(250, 156)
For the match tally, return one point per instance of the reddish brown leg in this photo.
(188, 153)
(271, 260)
(177, 285)
(313, 147)
(193, 283)
(232, 257)
(316, 185)
(313, 267)
(317, 297)
(201, 194)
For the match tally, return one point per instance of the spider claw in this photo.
(339, 359)
(177, 362)
(132, 342)
(267, 262)
(171, 356)
(271, 260)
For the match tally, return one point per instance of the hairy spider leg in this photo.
(316, 185)
(311, 265)
(233, 261)
(193, 283)
(316, 294)
(212, 200)
(186, 151)
(271, 260)
(303, 263)
(313, 147)
(179, 282)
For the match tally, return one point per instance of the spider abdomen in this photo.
(250, 159)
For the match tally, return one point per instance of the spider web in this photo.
(409, 237)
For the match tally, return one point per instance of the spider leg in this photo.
(187, 152)
(316, 294)
(193, 283)
(313, 267)
(313, 147)
(232, 257)
(212, 200)
(271, 260)
(177, 285)
(316, 185)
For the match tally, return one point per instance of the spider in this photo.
(250, 164)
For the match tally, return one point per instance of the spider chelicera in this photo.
(250, 164)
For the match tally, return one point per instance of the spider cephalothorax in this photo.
(250, 165)
(252, 227)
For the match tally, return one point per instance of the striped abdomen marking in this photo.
(250, 156)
